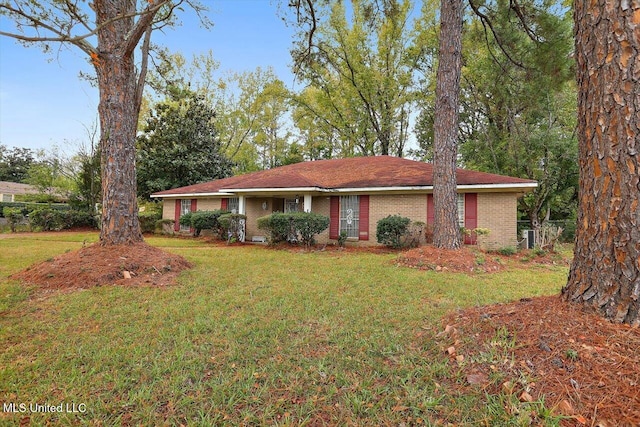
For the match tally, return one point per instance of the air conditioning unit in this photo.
(529, 238)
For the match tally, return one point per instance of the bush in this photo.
(14, 217)
(232, 226)
(26, 208)
(203, 220)
(393, 230)
(46, 219)
(293, 227)
(278, 226)
(308, 224)
(148, 220)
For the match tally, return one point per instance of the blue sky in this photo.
(43, 102)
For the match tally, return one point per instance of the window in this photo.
(7, 197)
(185, 208)
(233, 205)
(460, 210)
(291, 205)
(350, 216)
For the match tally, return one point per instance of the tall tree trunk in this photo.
(116, 72)
(605, 273)
(446, 233)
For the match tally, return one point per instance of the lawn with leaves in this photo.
(249, 336)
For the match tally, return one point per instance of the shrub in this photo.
(45, 219)
(392, 231)
(14, 216)
(203, 220)
(148, 220)
(296, 226)
(232, 226)
(186, 219)
(308, 224)
(278, 227)
(507, 251)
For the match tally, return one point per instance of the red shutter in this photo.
(471, 217)
(334, 217)
(194, 205)
(430, 210)
(224, 203)
(176, 216)
(363, 228)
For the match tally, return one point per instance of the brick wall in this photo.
(498, 213)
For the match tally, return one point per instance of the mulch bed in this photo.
(95, 265)
(473, 260)
(586, 368)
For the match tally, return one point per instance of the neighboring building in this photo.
(9, 190)
(355, 193)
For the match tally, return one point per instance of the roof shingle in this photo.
(354, 172)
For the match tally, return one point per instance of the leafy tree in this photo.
(52, 175)
(15, 162)
(108, 32)
(251, 107)
(361, 67)
(179, 146)
(605, 272)
(88, 189)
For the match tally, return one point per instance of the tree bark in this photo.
(446, 233)
(605, 273)
(116, 73)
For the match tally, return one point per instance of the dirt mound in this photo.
(587, 368)
(96, 265)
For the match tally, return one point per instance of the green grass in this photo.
(249, 336)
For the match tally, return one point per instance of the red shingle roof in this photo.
(355, 172)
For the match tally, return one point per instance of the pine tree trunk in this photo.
(117, 110)
(446, 233)
(605, 273)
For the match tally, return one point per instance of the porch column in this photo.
(241, 205)
(307, 203)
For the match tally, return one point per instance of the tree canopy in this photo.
(179, 145)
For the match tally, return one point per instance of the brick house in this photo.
(355, 193)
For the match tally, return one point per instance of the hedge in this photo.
(26, 207)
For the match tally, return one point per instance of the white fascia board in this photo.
(276, 190)
(190, 195)
(379, 189)
(513, 187)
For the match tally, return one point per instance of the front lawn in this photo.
(249, 336)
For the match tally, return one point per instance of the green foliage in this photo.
(278, 226)
(148, 220)
(27, 207)
(179, 146)
(232, 226)
(207, 220)
(47, 219)
(295, 226)
(507, 251)
(392, 231)
(308, 225)
(342, 239)
(15, 162)
(204, 220)
(14, 217)
(363, 77)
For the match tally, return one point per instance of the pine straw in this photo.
(98, 265)
(583, 366)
